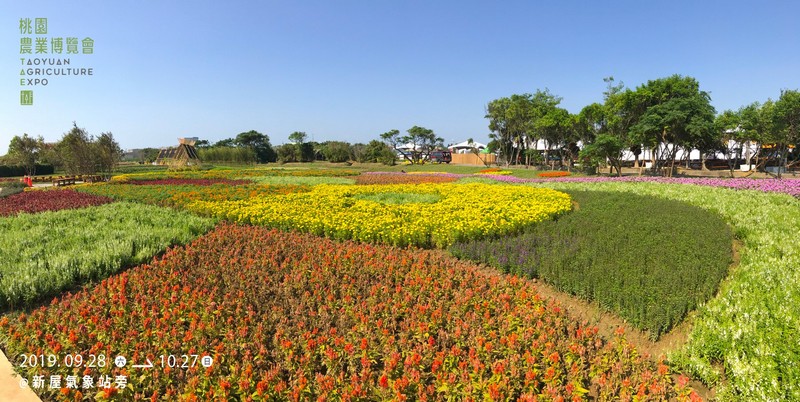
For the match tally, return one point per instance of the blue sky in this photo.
(350, 70)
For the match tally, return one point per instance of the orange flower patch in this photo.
(555, 173)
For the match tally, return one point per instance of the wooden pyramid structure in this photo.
(183, 155)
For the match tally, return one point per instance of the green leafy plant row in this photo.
(43, 254)
(648, 259)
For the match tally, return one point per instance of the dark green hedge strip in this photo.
(649, 260)
(13, 171)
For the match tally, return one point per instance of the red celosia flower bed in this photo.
(51, 200)
(297, 317)
(403, 178)
(191, 182)
(554, 174)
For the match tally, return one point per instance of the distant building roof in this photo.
(466, 144)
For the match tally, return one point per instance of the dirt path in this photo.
(9, 384)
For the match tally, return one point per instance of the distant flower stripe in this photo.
(787, 186)
(554, 174)
(52, 200)
(192, 182)
(404, 178)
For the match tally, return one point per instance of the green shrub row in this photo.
(13, 171)
(649, 260)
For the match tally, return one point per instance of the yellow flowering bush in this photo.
(461, 212)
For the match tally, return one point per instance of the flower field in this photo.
(313, 303)
(301, 180)
(232, 174)
(495, 171)
(288, 316)
(554, 174)
(45, 253)
(463, 212)
(181, 195)
(53, 200)
(749, 334)
(404, 178)
(187, 182)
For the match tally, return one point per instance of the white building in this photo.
(466, 147)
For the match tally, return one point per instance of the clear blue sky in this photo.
(350, 70)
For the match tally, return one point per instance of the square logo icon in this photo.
(26, 98)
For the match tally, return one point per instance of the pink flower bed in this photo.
(787, 186)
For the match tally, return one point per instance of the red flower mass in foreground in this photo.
(296, 317)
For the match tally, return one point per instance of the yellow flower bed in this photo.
(495, 172)
(464, 211)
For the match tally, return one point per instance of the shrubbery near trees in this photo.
(248, 147)
(76, 153)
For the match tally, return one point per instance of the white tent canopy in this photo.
(465, 146)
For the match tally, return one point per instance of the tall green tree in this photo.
(24, 151)
(287, 153)
(107, 152)
(304, 150)
(515, 122)
(424, 140)
(421, 139)
(392, 139)
(591, 121)
(336, 151)
(377, 151)
(228, 142)
(76, 150)
(298, 137)
(604, 148)
(677, 115)
(727, 126)
(557, 128)
(202, 144)
(502, 128)
(259, 143)
(756, 123)
(786, 132)
(623, 108)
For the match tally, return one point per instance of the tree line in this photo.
(76, 153)
(663, 116)
(255, 147)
